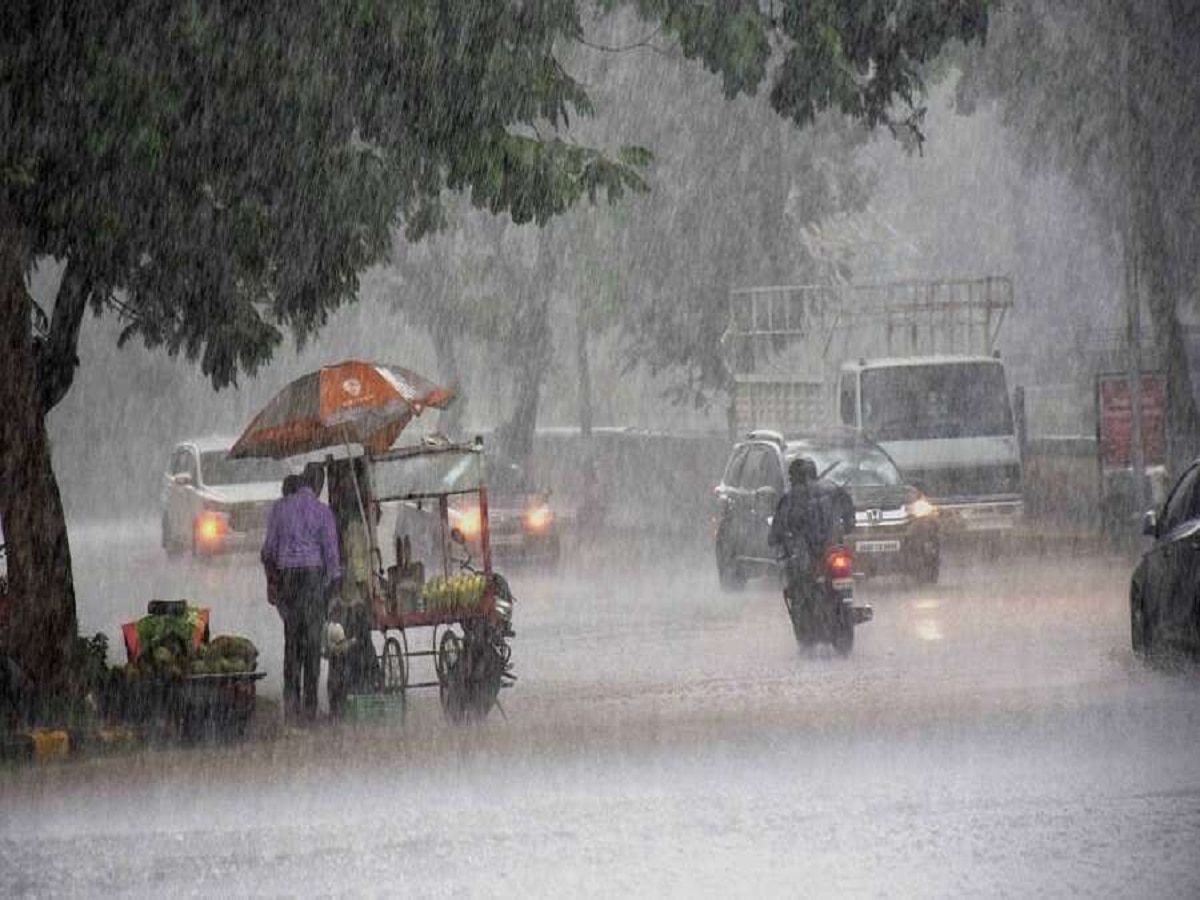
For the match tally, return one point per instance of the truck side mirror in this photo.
(1150, 524)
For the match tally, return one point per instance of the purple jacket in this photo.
(301, 534)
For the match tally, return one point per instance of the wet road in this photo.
(991, 735)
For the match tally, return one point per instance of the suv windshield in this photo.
(854, 466)
(217, 468)
(905, 403)
(506, 478)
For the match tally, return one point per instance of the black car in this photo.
(1164, 596)
(895, 527)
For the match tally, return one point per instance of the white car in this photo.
(213, 504)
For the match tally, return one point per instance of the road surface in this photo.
(989, 736)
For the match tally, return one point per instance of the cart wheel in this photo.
(451, 685)
(395, 666)
(449, 648)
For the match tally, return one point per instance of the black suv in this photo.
(1164, 596)
(895, 527)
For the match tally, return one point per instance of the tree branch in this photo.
(644, 42)
(57, 354)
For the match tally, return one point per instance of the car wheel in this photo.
(729, 573)
(553, 557)
(1139, 626)
(928, 569)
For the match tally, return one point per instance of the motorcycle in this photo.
(820, 600)
(473, 668)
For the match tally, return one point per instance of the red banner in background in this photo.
(1115, 418)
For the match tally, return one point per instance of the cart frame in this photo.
(467, 646)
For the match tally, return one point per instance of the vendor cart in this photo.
(433, 604)
(444, 608)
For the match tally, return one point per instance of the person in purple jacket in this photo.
(302, 547)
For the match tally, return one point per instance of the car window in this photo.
(188, 465)
(847, 402)
(752, 469)
(856, 466)
(772, 474)
(220, 469)
(734, 468)
(1184, 502)
(177, 462)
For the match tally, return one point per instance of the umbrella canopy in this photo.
(352, 402)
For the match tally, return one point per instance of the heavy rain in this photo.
(624, 448)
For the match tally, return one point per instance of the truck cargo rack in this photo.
(898, 319)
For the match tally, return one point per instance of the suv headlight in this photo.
(539, 519)
(920, 508)
(211, 526)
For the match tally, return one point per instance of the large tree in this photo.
(1106, 91)
(732, 183)
(218, 174)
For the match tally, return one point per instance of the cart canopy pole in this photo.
(368, 524)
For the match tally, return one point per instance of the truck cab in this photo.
(948, 423)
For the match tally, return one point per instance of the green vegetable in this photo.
(228, 646)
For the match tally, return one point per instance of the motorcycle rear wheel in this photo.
(843, 639)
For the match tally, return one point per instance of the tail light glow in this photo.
(840, 563)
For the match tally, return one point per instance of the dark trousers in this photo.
(302, 606)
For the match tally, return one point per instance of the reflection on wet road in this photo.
(990, 734)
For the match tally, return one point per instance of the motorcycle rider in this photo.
(801, 525)
(837, 506)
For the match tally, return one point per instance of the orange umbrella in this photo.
(352, 402)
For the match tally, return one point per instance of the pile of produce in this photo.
(166, 643)
(225, 655)
(172, 646)
(454, 594)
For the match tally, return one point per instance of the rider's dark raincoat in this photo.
(800, 526)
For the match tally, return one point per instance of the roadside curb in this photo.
(47, 745)
(41, 746)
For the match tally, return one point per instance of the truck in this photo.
(913, 366)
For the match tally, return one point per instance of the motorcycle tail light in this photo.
(840, 563)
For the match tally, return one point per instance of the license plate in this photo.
(877, 547)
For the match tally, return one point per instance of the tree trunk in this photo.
(585, 373)
(43, 626)
(1161, 267)
(588, 512)
(450, 419)
(536, 353)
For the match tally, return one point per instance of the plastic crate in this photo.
(377, 709)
